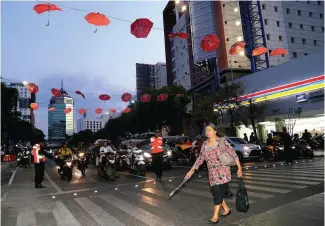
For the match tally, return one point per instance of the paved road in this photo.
(139, 201)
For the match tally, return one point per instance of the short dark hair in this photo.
(214, 127)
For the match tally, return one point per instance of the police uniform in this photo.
(39, 158)
(157, 152)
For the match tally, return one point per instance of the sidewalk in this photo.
(307, 211)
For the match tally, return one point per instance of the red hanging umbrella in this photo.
(145, 98)
(237, 48)
(32, 88)
(127, 110)
(162, 97)
(277, 52)
(80, 93)
(172, 35)
(181, 35)
(180, 95)
(41, 8)
(97, 19)
(56, 92)
(141, 28)
(126, 97)
(259, 51)
(82, 111)
(113, 110)
(104, 97)
(67, 110)
(98, 110)
(52, 109)
(34, 106)
(210, 43)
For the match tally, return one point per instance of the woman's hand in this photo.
(239, 172)
(189, 173)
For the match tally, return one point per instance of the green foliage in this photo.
(150, 116)
(12, 127)
(86, 137)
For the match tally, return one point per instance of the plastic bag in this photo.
(242, 203)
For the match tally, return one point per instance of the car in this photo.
(244, 149)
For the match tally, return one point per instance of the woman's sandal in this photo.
(225, 215)
(213, 222)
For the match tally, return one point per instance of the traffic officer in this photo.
(157, 154)
(39, 159)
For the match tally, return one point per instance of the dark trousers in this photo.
(288, 154)
(157, 164)
(39, 172)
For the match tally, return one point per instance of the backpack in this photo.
(242, 204)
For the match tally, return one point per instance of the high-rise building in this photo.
(59, 123)
(161, 75)
(25, 98)
(297, 26)
(94, 124)
(145, 77)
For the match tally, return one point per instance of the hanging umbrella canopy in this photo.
(145, 98)
(41, 8)
(80, 93)
(56, 92)
(180, 35)
(34, 106)
(162, 97)
(82, 111)
(52, 109)
(67, 110)
(104, 97)
(97, 19)
(127, 110)
(32, 88)
(237, 48)
(259, 51)
(278, 51)
(141, 28)
(126, 97)
(210, 43)
(113, 110)
(98, 110)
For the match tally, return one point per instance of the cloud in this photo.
(91, 85)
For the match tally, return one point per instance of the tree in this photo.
(87, 137)
(152, 115)
(290, 119)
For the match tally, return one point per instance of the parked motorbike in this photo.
(275, 152)
(302, 149)
(65, 170)
(184, 154)
(82, 163)
(107, 168)
(136, 162)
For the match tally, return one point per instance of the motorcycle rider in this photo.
(103, 151)
(62, 152)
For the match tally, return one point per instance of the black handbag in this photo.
(242, 204)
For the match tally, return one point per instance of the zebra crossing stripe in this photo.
(299, 170)
(136, 212)
(284, 177)
(146, 199)
(274, 184)
(262, 178)
(26, 218)
(101, 216)
(290, 173)
(63, 216)
(275, 190)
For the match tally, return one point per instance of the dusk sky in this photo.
(94, 63)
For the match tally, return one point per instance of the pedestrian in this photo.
(157, 154)
(245, 137)
(252, 138)
(219, 175)
(287, 145)
(39, 159)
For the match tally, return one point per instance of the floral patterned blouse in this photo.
(218, 174)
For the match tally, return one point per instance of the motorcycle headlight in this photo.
(293, 147)
(18, 159)
(141, 158)
(169, 153)
(308, 147)
(281, 148)
(68, 163)
(147, 155)
(81, 154)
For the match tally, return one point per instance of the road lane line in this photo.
(284, 177)
(99, 214)
(12, 176)
(134, 175)
(26, 218)
(53, 183)
(280, 180)
(136, 212)
(63, 216)
(274, 190)
(286, 173)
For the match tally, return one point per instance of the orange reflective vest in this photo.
(37, 157)
(156, 145)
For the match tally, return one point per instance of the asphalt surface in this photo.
(134, 200)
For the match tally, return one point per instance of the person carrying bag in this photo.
(242, 203)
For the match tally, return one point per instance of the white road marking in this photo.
(63, 216)
(275, 190)
(12, 176)
(284, 177)
(26, 218)
(134, 175)
(99, 214)
(53, 183)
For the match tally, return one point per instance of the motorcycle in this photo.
(275, 152)
(136, 162)
(65, 170)
(107, 168)
(302, 149)
(81, 163)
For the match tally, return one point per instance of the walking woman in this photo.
(219, 175)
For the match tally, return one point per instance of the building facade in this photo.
(59, 123)
(25, 98)
(161, 75)
(146, 77)
(293, 94)
(92, 124)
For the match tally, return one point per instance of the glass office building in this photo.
(59, 123)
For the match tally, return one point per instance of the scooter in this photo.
(302, 149)
(107, 169)
(66, 168)
(81, 163)
(136, 162)
(275, 152)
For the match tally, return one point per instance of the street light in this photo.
(240, 38)
(236, 10)
(176, 2)
(238, 23)
(183, 9)
(241, 53)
